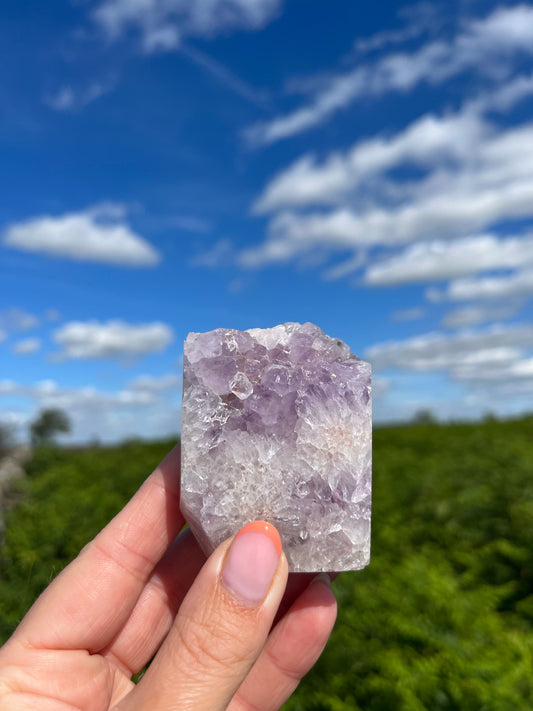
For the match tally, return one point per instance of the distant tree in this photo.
(48, 424)
(6, 439)
(424, 417)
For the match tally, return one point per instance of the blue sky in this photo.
(172, 166)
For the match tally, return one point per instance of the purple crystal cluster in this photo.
(276, 425)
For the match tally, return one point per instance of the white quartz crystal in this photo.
(277, 426)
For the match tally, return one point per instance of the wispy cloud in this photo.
(486, 46)
(162, 24)
(15, 319)
(506, 96)
(190, 223)
(27, 346)
(217, 255)
(413, 314)
(155, 383)
(473, 175)
(474, 315)
(503, 349)
(440, 260)
(516, 284)
(430, 140)
(52, 314)
(98, 234)
(48, 393)
(421, 18)
(69, 98)
(338, 271)
(224, 76)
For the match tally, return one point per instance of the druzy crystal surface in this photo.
(276, 425)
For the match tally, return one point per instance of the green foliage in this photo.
(47, 425)
(67, 497)
(441, 620)
(443, 617)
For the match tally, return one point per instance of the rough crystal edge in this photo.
(208, 548)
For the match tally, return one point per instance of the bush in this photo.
(67, 497)
(442, 619)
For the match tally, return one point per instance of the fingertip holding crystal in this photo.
(277, 425)
(267, 529)
(252, 561)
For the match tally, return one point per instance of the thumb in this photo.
(221, 626)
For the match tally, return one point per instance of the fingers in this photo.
(93, 597)
(293, 647)
(156, 608)
(296, 584)
(221, 627)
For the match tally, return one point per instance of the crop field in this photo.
(442, 619)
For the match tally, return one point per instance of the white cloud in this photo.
(113, 339)
(474, 175)
(338, 271)
(190, 224)
(439, 260)
(3, 335)
(63, 100)
(506, 28)
(52, 315)
(473, 315)
(215, 256)
(155, 384)
(428, 141)
(163, 23)
(485, 46)
(502, 372)
(506, 96)
(492, 287)
(163, 38)
(17, 320)
(144, 390)
(380, 387)
(408, 314)
(95, 235)
(437, 351)
(455, 210)
(28, 346)
(68, 98)
(421, 17)
(462, 374)
(148, 405)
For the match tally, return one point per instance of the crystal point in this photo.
(277, 426)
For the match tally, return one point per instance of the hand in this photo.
(138, 590)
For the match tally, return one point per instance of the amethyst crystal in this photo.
(277, 426)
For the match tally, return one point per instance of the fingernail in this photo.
(252, 561)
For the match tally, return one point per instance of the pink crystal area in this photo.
(277, 425)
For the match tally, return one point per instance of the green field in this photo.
(441, 620)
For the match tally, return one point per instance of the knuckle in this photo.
(288, 668)
(212, 644)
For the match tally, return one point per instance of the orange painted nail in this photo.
(263, 527)
(252, 561)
